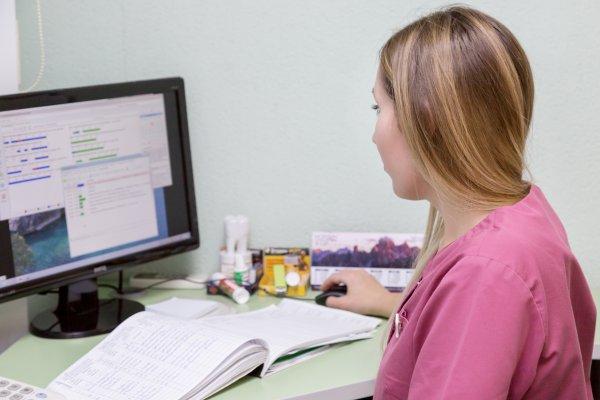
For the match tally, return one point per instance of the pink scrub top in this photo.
(503, 312)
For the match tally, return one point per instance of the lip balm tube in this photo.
(227, 286)
(279, 278)
(241, 273)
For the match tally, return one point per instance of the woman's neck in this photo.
(457, 221)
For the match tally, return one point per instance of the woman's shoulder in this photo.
(526, 233)
(528, 244)
(527, 236)
(523, 245)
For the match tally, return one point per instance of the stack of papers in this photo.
(187, 308)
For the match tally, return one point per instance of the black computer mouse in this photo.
(335, 291)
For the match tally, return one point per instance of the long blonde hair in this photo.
(463, 94)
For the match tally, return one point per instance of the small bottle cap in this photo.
(292, 278)
(241, 295)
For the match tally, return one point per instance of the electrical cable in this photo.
(140, 290)
(42, 67)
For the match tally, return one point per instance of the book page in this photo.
(294, 324)
(149, 357)
(254, 355)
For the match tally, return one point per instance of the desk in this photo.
(596, 353)
(346, 372)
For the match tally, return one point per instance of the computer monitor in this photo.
(92, 180)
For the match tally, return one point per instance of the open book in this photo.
(156, 357)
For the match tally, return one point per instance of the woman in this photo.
(498, 307)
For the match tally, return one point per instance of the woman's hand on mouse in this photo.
(365, 295)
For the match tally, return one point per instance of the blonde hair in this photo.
(463, 94)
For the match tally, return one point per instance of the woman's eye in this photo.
(375, 107)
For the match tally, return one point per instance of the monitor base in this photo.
(80, 313)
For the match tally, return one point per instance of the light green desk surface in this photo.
(347, 371)
(596, 295)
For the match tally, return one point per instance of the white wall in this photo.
(9, 67)
(279, 96)
(13, 314)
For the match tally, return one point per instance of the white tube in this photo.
(244, 229)
(230, 234)
(227, 286)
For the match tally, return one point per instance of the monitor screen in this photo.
(92, 178)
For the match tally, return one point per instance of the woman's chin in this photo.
(407, 193)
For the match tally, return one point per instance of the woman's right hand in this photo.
(365, 295)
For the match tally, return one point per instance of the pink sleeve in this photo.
(480, 327)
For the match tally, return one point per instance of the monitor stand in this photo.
(81, 313)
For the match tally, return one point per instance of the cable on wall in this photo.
(42, 67)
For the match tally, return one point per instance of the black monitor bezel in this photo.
(106, 91)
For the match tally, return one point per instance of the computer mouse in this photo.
(335, 291)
